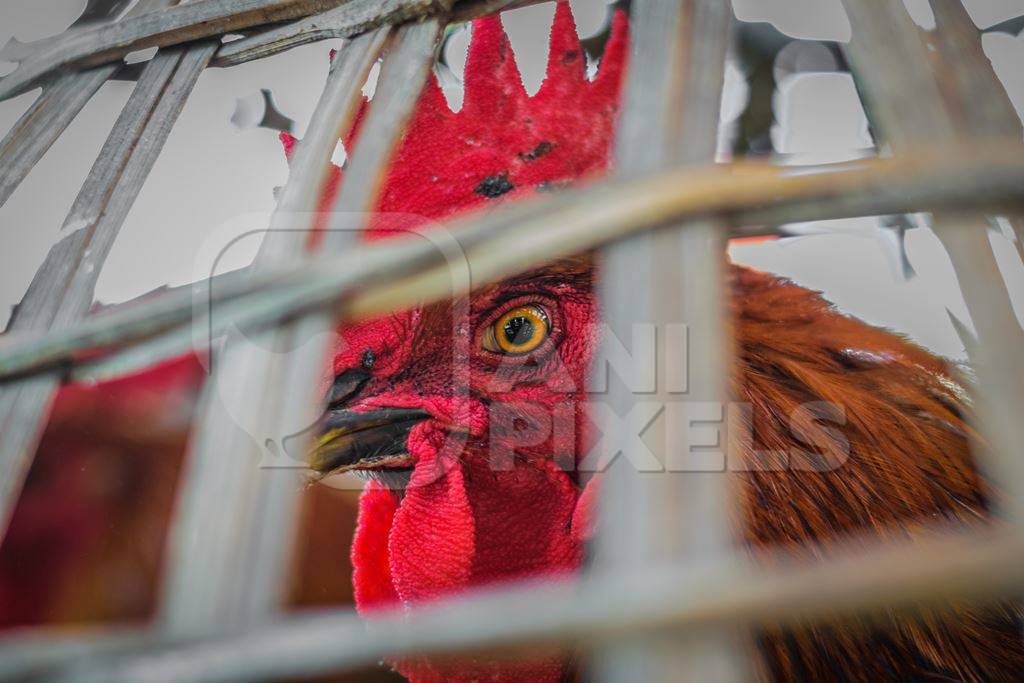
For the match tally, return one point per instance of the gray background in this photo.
(215, 179)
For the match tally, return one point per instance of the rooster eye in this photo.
(518, 331)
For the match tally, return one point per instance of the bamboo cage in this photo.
(956, 152)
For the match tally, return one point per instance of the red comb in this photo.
(502, 143)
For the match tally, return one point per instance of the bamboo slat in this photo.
(670, 278)
(352, 18)
(402, 77)
(970, 84)
(558, 226)
(973, 85)
(465, 10)
(239, 563)
(62, 290)
(896, 70)
(103, 43)
(29, 651)
(668, 595)
(52, 112)
(355, 16)
(45, 120)
(230, 541)
(777, 589)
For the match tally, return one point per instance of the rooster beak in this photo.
(364, 441)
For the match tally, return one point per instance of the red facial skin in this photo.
(473, 513)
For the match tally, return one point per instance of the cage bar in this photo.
(750, 198)
(62, 290)
(949, 105)
(860, 578)
(665, 280)
(53, 110)
(230, 545)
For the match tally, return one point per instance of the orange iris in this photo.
(518, 331)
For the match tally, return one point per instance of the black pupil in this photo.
(518, 330)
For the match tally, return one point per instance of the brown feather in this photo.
(908, 464)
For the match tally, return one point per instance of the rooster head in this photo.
(467, 416)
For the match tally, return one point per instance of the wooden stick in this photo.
(970, 84)
(467, 10)
(896, 69)
(62, 290)
(52, 112)
(229, 547)
(30, 650)
(659, 281)
(40, 126)
(350, 19)
(776, 589)
(573, 222)
(191, 21)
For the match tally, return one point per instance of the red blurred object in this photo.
(86, 538)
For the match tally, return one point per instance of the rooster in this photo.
(456, 499)
(440, 514)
